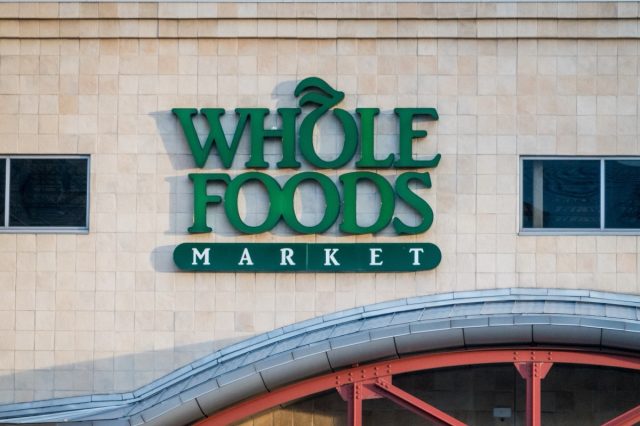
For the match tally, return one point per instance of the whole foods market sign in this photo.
(340, 198)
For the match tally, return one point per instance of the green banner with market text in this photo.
(301, 257)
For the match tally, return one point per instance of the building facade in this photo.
(448, 193)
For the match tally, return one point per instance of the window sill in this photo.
(568, 232)
(43, 230)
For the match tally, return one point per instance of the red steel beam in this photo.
(628, 418)
(533, 373)
(409, 402)
(328, 381)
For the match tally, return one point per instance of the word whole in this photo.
(296, 135)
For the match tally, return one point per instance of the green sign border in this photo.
(303, 257)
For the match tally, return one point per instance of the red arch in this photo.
(359, 382)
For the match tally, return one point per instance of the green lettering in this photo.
(216, 135)
(408, 134)
(201, 199)
(231, 202)
(349, 215)
(323, 97)
(349, 146)
(331, 196)
(415, 201)
(367, 156)
(287, 134)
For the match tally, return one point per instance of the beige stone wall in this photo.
(106, 311)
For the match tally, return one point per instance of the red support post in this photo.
(628, 418)
(354, 404)
(533, 373)
(409, 402)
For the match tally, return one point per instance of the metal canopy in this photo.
(397, 329)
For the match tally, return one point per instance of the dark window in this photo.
(622, 194)
(561, 194)
(3, 173)
(48, 192)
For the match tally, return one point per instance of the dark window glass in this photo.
(3, 175)
(561, 194)
(48, 192)
(527, 193)
(622, 194)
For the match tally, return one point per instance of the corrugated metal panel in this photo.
(172, 412)
(347, 355)
(438, 312)
(429, 341)
(590, 309)
(621, 339)
(498, 335)
(463, 310)
(231, 392)
(295, 370)
(555, 307)
(377, 321)
(407, 317)
(528, 307)
(497, 308)
(566, 335)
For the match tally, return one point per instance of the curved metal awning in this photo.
(596, 320)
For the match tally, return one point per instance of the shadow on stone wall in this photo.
(118, 373)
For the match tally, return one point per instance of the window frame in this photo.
(572, 231)
(4, 221)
